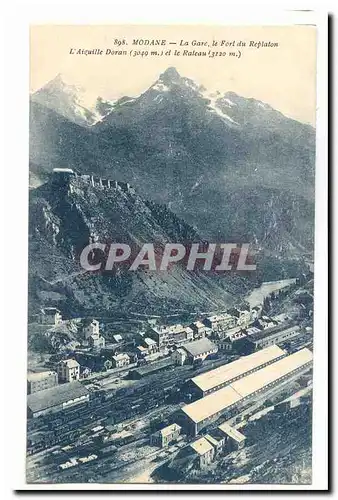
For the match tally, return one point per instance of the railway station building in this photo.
(241, 393)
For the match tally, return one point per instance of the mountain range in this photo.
(233, 168)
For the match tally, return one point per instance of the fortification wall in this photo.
(94, 181)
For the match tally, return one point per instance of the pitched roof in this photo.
(55, 396)
(50, 310)
(198, 324)
(226, 373)
(153, 367)
(169, 429)
(271, 373)
(211, 440)
(232, 432)
(219, 317)
(149, 341)
(121, 356)
(201, 446)
(71, 363)
(33, 377)
(210, 405)
(199, 347)
(283, 327)
(222, 399)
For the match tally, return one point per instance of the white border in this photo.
(16, 202)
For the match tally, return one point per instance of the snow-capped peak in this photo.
(71, 100)
(215, 100)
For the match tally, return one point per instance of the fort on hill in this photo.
(66, 173)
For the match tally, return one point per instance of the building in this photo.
(220, 335)
(117, 338)
(265, 322)
(200, 330)
(40, 381)
(68, 370)
(211, 381)
(217, 439)
(235, 440)
(56, 399)
(251, 330)
(141, 351)
(275, 335)
(232, 340)
(256, 311)
(164, 437)
(220, 322)
(199, 349)
(151, 369)
(197, 415)
(241, 393)
(97, 341)
(243, 315)
(204, 450)
(120, 360)
(171, 335)
(179, 356)
(90, 327)
(50, 316)
(150, 345)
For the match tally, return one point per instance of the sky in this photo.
(284, 77)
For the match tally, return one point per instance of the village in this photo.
(170, 398)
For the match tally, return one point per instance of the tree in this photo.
(266, 304)
(107, 364)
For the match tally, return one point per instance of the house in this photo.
(179, 356)
(97, 341)
(90, 327)
(232, 341)
(235, 440)
(242, 314)
(121, 360)
(200, 330)
(220, 322)
(141, 351)
(40, 381)
(199, 349)
(171, 335)
(50, 316)
(164, 437)
(150, 345)
(256, 312)
(204, 451)
(68, 370)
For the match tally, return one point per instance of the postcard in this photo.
(172, 174)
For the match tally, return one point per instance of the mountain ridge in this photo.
(66, 216)
(206, 156)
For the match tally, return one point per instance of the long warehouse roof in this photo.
(225, 373)
(251, 383)
(223, 398)
(211, 404)
(274, 330)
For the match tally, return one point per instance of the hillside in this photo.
(232, 167)
(66, 216)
